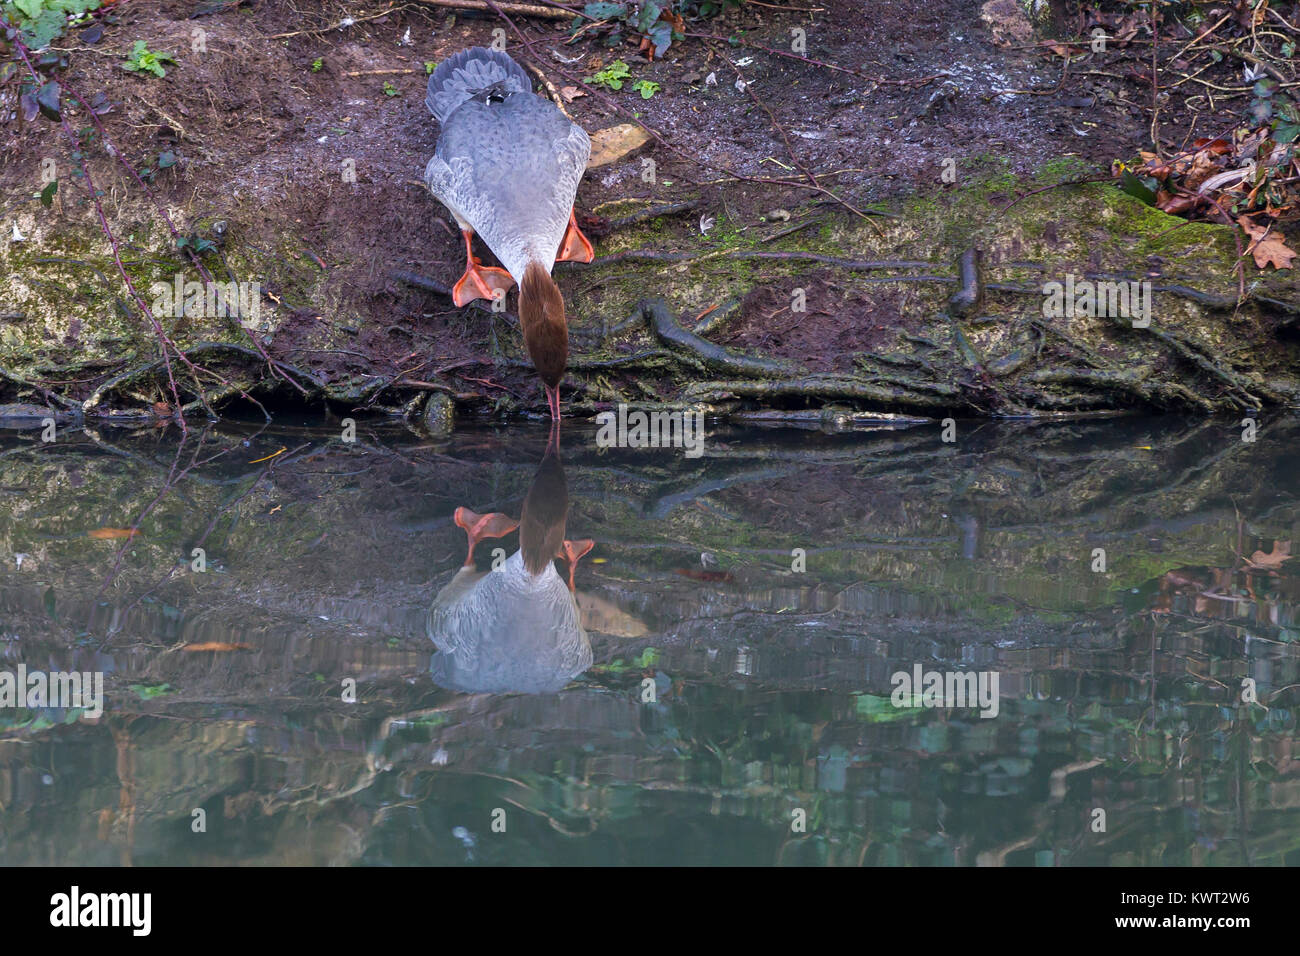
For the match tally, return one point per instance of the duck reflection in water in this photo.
(517, 627)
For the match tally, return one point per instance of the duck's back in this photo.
(508, 163)
(508, 631)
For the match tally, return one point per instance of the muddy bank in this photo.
(815, 224)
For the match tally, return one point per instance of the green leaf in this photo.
(605, 11)
(646, 659)
(611, 76)
(31, 8)
(1136, 188)
(648, 15)
(47, 194)
(151, 691)
(39, 32)
(75, 8)
(875, 709)
(662, 37)
(142, 59)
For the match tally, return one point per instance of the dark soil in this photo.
(819, 337)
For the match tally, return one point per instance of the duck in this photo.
(507, 166)
(516, 628)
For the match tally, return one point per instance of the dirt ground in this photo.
(274, 104)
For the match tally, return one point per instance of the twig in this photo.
(349, 21)
(556, 98)
(664, 326)
(654, 212)
(519, 9)
(1253, 60)
(1065, 72)
(653, 255)
(1155, 80)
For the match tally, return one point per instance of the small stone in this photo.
(439, 414)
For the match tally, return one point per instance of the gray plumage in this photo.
(507, 630)
(470, 73)
(508, 162)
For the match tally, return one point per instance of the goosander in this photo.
(507, 166)
(517, 627)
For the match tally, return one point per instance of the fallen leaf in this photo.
(1267, 249)
(1218, 147)
(1175, 205)
(612, 144)
(1274, 559)
(1273, 250)
(1203, 167)
(112, 534)
(571, 93)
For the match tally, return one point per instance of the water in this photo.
(729, 697)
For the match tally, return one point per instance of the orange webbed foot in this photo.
(572, 551)
(477, 527)
(481, 282)
(575, 247)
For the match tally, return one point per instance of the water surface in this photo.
(744, 613)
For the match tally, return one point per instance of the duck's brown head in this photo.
(546, 333)
(546, 508)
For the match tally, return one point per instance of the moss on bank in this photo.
(71, 325)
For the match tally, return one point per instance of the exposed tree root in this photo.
(966, 300)
(816, 387)
(1133, 383)
(205, 397)
(714, 357)
(652, 255)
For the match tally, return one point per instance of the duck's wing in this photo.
(453, 603)
(510, 170)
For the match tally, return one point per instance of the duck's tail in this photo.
(469, 73)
